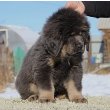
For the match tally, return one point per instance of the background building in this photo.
(104, 26)
(14, 43)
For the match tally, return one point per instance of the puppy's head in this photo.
(68, 26)
(77, 42)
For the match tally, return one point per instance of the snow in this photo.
(10, 92)
(96, 85)
(93, 85)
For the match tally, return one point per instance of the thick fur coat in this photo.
(52, 67)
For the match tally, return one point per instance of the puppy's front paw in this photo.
(79, 100)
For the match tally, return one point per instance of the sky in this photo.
(33, 14)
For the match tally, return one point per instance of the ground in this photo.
(94, 103)
(95, 87)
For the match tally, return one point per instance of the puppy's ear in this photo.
(87, 42)
(87, 47)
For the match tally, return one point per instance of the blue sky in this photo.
(33, 14)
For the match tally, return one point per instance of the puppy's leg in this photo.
(46, 95)
(33, 89)
(74, 86)
(23, 90)
(26, 90)
(45, 85)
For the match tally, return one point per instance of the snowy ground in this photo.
(96, 85)
(93, 85)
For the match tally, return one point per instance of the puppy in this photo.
(52, 67)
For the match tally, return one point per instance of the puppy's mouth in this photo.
(80, 51)
(75, 54)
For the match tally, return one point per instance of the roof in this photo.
(26, 33)
(104, 23)
(28, 36)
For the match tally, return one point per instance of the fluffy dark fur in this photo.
(52, 66)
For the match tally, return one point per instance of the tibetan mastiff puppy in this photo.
(52, 67)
